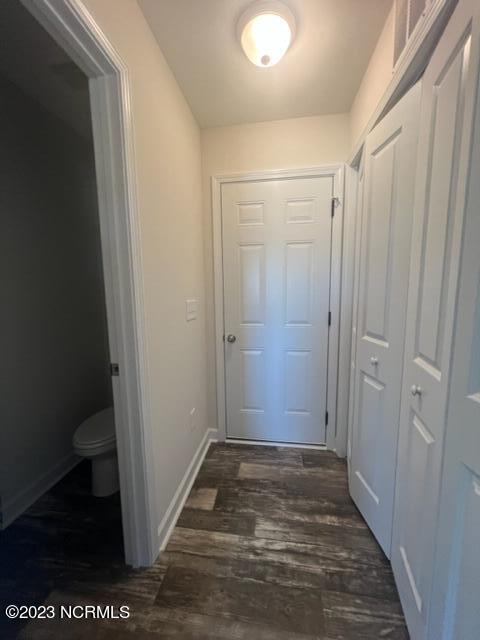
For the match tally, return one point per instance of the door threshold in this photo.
(269, 443)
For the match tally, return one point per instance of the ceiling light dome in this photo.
(266, 30)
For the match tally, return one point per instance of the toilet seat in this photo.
(96, 435)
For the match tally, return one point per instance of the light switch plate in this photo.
(191, 307)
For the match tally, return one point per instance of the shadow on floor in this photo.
(67, 537)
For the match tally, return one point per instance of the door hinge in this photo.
(329, 318)
(335, 203)
(114, 369)
(326, 418)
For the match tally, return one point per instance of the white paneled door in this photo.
(276, 261)
(445, 140)
(382, 296)
(455, 610)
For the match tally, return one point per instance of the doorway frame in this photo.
(336, 172)
(76, 31)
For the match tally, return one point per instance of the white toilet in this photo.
(95, 439)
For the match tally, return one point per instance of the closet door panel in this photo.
(455, 611)
(434, 264)
(445, 131)
(382, 296)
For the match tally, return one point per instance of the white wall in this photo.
(168, 166)
(283, 144)
(170, 191)
(374, 82)
(53, 325)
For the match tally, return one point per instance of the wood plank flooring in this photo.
(269, 546)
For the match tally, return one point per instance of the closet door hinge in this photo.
(114, 369)
(335, 203)
(326, 418)
(329, 318)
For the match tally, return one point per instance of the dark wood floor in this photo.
(269, 546)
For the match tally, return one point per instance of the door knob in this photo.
(415, 390)
(374, 360)
(231, 338)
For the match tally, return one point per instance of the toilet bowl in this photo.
(95, 439)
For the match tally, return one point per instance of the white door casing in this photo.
(444, 146)
(276, 269)
(390, 153)
(76, 31)
(353, 347)
(455, 610)
(352, 192)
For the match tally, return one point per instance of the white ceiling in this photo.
(320, 73)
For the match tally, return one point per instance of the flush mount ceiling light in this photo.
(266, 30)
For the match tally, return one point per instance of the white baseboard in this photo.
(175, 507)
(14, 507)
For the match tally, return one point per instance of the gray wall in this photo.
(53, 333)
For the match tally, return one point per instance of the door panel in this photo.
(252, 284)
(371, 409)
(381, 213)
(299, 283)
(382, 296)
(277, 247)
(436, 251)
(462, 618)
(455, 612)
(445, 137)
(253, 376)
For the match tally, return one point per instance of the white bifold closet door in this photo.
(445, 142)
(455, 609)
(390, 154)
(277, 238)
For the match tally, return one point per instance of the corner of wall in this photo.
(16, 505)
